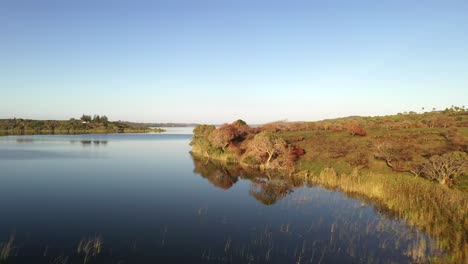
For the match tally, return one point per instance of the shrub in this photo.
(357, 130)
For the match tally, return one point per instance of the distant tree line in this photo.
(95, 118)
(86, 124)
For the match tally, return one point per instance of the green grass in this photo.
(462, 183)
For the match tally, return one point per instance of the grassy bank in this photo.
(439, 211)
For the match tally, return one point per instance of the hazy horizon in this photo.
(217, 61)
(232, 120)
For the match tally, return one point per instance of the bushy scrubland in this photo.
(414, 165)
(430, 145)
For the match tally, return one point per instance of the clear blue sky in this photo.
(215, 61)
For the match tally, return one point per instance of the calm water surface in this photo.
(132, 198)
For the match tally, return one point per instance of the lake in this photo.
(132, 198)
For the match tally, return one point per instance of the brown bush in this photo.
(357, 130)
(358, 159)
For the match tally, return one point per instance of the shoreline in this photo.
(79, 132)
(434, 208)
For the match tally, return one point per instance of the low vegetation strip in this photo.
(85, 125)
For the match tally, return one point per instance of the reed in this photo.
(7, 249)
(439, 211)
(89, 247)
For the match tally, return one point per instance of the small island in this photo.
(87, 124)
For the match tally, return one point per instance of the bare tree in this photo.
(386, 151)
(445, 168)
(398, 156)
(267, 145)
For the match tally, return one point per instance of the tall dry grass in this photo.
(439, 211)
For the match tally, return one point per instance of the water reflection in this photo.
(339, 241)
(24, 140)
(267, 189)
(143, 204)
(84, 142)
(349, 233)
(270, 191)
(220, 176)
(31, 154)
(87, 143)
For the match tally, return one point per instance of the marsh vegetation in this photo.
(415, 165)
(437, 210)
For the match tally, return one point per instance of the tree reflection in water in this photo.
(348, 233)
(265, 188)
(220, 176)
